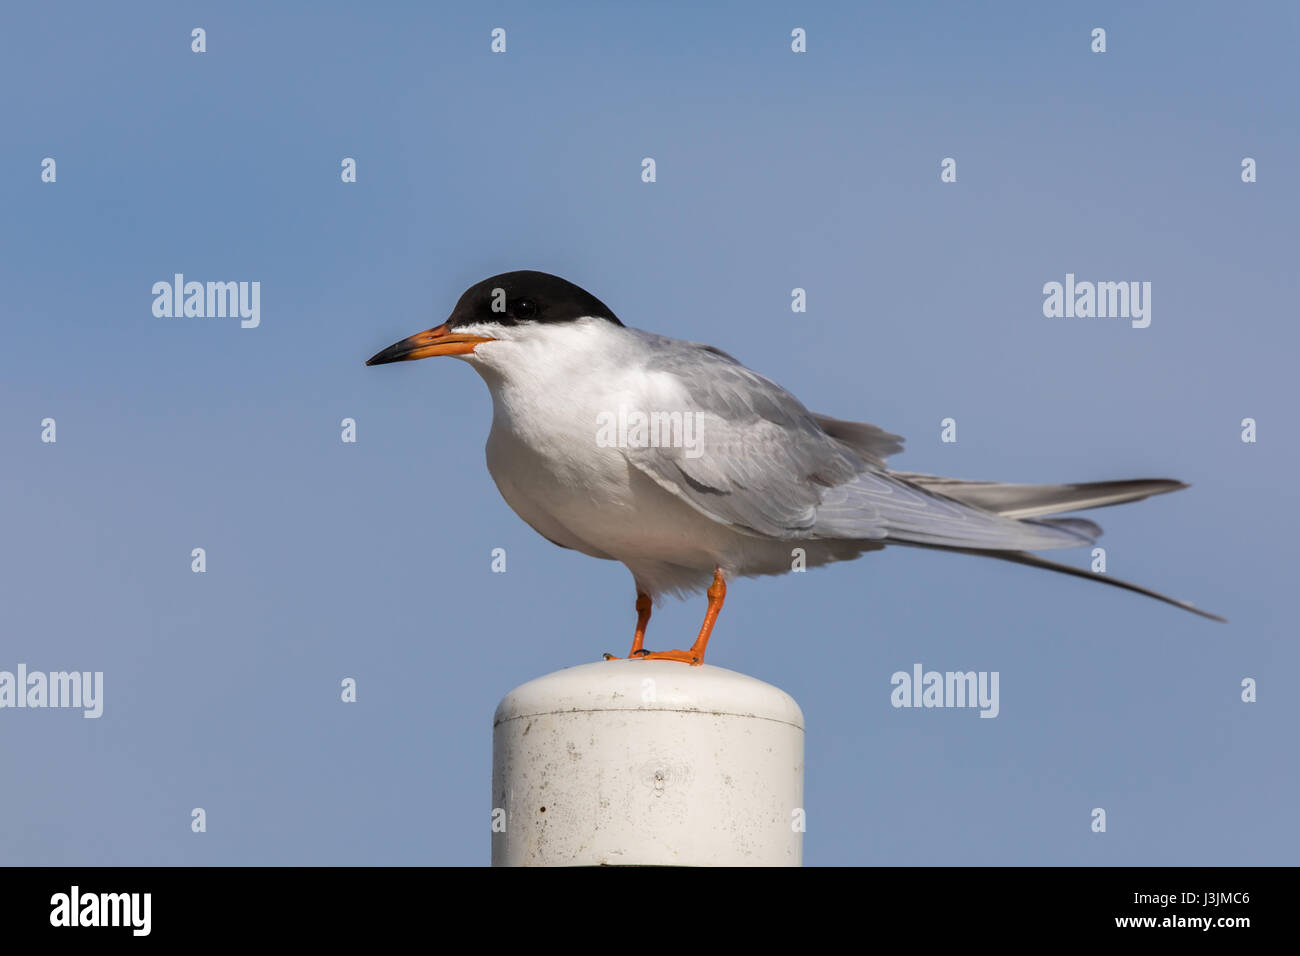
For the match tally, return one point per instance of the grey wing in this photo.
(757, 462)
(873, 444)
(761, 463)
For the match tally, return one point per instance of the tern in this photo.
(678, 461)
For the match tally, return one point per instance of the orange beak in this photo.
(436, 341)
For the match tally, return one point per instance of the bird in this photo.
(690, 469)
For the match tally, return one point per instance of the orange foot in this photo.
(717, 593)
(686, 657)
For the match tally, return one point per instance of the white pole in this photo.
(645, 763)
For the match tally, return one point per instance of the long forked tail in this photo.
(1032, 501)
(1034, 561)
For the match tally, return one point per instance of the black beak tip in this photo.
(384, 356)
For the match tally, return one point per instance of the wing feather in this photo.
(763, 464)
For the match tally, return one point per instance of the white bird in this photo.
(690, 469)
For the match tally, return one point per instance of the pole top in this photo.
(649, 686)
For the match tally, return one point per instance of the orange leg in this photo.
(642, 619)
(643, 605)
(717, 593)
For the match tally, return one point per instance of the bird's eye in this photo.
(524, 308)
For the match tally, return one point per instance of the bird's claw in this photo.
(685, 657)
(632, 655)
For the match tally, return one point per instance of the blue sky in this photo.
(774, 171)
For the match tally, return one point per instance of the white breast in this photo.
(549, 388)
